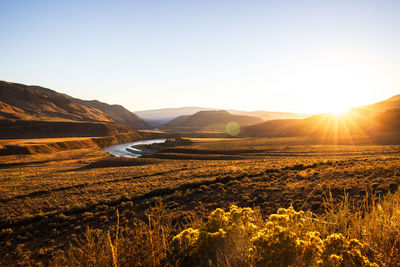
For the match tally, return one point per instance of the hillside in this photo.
(12, 129)
(378, 120)
(215, 120)
(390, 103)
(23, 102)
(118, 113)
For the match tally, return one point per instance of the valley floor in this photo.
(48, 199)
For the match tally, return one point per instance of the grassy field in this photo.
(46, 200)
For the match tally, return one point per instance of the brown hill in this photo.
(23, 102)
(118, 113)
(215, 120)
(376, 121)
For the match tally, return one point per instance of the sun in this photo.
(340, 110)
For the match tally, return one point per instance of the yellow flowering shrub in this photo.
(284, 242)
(274, 246)
(225, 237)
(284, 239)
(185, 240)
(339, 251)
(310, 247)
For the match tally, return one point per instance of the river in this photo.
(121, 149)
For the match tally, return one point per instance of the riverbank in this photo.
(145, 147)
(50, 145)
(130, 150)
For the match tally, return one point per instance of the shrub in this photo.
(225, 238)
(238, 238)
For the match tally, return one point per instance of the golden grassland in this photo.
(49, 200)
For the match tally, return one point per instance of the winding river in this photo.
(130, 150)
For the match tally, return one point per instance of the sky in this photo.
(294, 56)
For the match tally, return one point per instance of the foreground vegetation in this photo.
(49, 200)
(345, 235)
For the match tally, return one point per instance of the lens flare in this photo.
(232, 128)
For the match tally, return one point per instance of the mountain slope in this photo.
(23, 102)
(215, 120)
(118, 113)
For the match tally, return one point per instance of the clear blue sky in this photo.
(301, 56)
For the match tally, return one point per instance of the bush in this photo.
(238, 238)
(225, 238)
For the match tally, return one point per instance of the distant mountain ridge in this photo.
(24, 102)
(210, 120)
(165, 115)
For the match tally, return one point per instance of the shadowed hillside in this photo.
(22, 102)
(12, 129)
(215, 120)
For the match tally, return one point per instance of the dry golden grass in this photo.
(47, 200)
(343, 235)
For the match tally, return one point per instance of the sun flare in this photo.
(340, 110)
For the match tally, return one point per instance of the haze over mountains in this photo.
(165, 115)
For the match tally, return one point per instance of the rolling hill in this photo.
(35, 103)
(214, 121)
(377, 121)
(380, 107)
